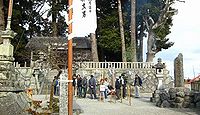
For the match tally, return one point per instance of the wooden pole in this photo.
(10, 8)
(51, 97)
(70, 54)
(9, 15)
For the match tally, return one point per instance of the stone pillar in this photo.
(63, 108)
(37, 81)
(178, 71)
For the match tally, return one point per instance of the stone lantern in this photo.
(159, 72)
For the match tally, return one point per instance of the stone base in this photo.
(155, 96)
(14, 103)
(178, 97)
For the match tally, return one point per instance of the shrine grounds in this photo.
(139, 106)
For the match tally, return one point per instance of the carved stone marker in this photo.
(178, 71)
(63, 110)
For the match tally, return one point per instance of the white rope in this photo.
(69, 22)
(70, 36)
(66, 80)
(70, 7)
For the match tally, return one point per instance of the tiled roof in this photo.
(37, 43)
(195, 79)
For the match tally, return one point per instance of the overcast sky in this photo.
(186, 35)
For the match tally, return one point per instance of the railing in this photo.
(116, 65)
(195, 86)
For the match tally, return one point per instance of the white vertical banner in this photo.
(84, 17)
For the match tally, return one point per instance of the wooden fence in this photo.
(195, 86)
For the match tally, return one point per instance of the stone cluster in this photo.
(177, 97)
(14, 103)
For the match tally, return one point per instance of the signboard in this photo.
(84, 17)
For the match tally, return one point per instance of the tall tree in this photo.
(108, 33)
(2, 22)
(122, 31)
(57, 24)
(157, 16)
(94, 48)
(133, 34)
(54, 17)
(140, 29)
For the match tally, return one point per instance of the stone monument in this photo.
(13, 101)
(179, 96)
(6, 56)
(63, 109)
(178, 71)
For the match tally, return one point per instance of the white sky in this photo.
(185, 32)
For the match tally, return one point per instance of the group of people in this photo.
(120, 86)
(81, 85)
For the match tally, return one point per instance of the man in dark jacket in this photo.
(92, 86)
(84, 86)
(74, 83)
(79, 85)
(117, 87)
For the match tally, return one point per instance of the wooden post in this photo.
(9, 15)
(70, 55)
(51, 97)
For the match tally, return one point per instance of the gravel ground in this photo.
(139, 106)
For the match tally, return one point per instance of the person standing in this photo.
(56, 86)
(79, 86)
(106, 87)
(123, 86)
(137, 84)
(74, 84)
(102, 89)
(117, 87)
(84, 86)
(92, 86)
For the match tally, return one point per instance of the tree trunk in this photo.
(133, 36)
(94, 48)
(140, 52)
(122, 31)
(140, 47)
(54, 16)
(2, 22)
(150, 46)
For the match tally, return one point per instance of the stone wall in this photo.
(177, 97)
(148, 77)
(13, 103)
